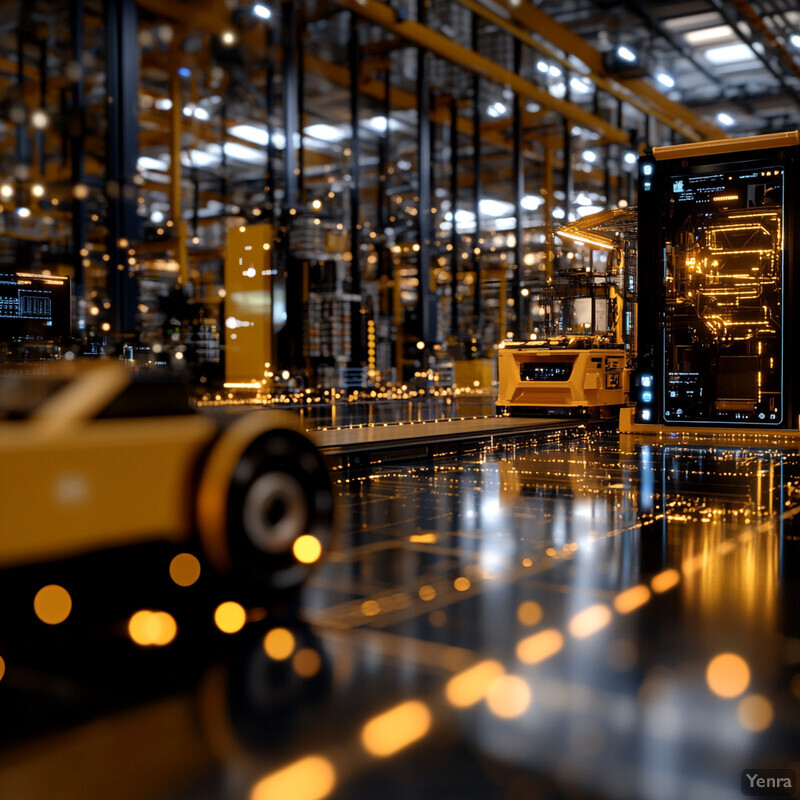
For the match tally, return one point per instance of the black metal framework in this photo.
(519, 193)
(426, 309)
(122, 82)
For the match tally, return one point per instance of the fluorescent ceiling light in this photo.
(579, 85)
(626, 54)
(725, 119)
(201, 114)
(530, 202)
(327, 133)
(145, 162)
(504, 224)
(590, 156)
(558, 89)
(706, 35)
(163, 104)
(729, 54)
(795, 39)
(558, 213)
(542, 66)
(202, 158)
(583, 199)
(262, 11)
(380, 124)
(665, 80)
(554, 71)
(157, 216)
(259, 136)
(240, 152)
(494, 208)
(585, 211)
(630, 158)
(496, 110)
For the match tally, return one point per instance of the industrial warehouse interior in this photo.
(398, 399)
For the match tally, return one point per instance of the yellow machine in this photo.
(563, 376)
(92, 460)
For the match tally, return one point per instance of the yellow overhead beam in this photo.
(535, 20)
(443, 46)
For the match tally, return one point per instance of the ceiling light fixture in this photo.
(725, 119)
(666, 80)
(729, 54)
(626, 54)
(262, 11)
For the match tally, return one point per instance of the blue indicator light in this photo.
(647, 169)
(647, 380)
(184, 72)
(647, 397)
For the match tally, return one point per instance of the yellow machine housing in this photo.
(99, 462)
(564, 376)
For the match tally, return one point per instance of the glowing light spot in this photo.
(509, 696)
(527, 562)
(279, 644)
(306, 662)
(540, 646)
(423, 538)
(589, 621)
(427, 592)
(461, 584)
(631, 599)
(307, 549)
(230, 617)
(755, 713)
(665, 581)
(310, 778)
(728, 675)
(529, 613)
(52, 604)
(471, 685)
(2, 668)
(184, 569)
(370, 608)
(152, 628)
(396, 728)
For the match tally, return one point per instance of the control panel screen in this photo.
(34, 306)
(724, 307)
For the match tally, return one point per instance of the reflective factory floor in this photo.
(584, 616)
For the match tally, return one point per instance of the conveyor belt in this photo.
(392, 436)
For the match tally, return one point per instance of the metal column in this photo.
(122, 84)
(519, 193)
(356, 317)
(476, 189)
(76, 138)
(426, 308)
(290, 273)
(454, 248)
(568, 176)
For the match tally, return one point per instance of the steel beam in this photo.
(472, 61)
(454, 247)
(356, 328)
(76, 137)
(633, 91)
(426, 310)
(519, 193)
(477, 309)
(122, 85)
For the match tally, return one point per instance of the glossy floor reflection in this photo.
(588, 616)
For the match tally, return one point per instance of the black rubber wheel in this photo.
(280, 490)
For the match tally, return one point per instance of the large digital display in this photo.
(34, 306)
(723, 262)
